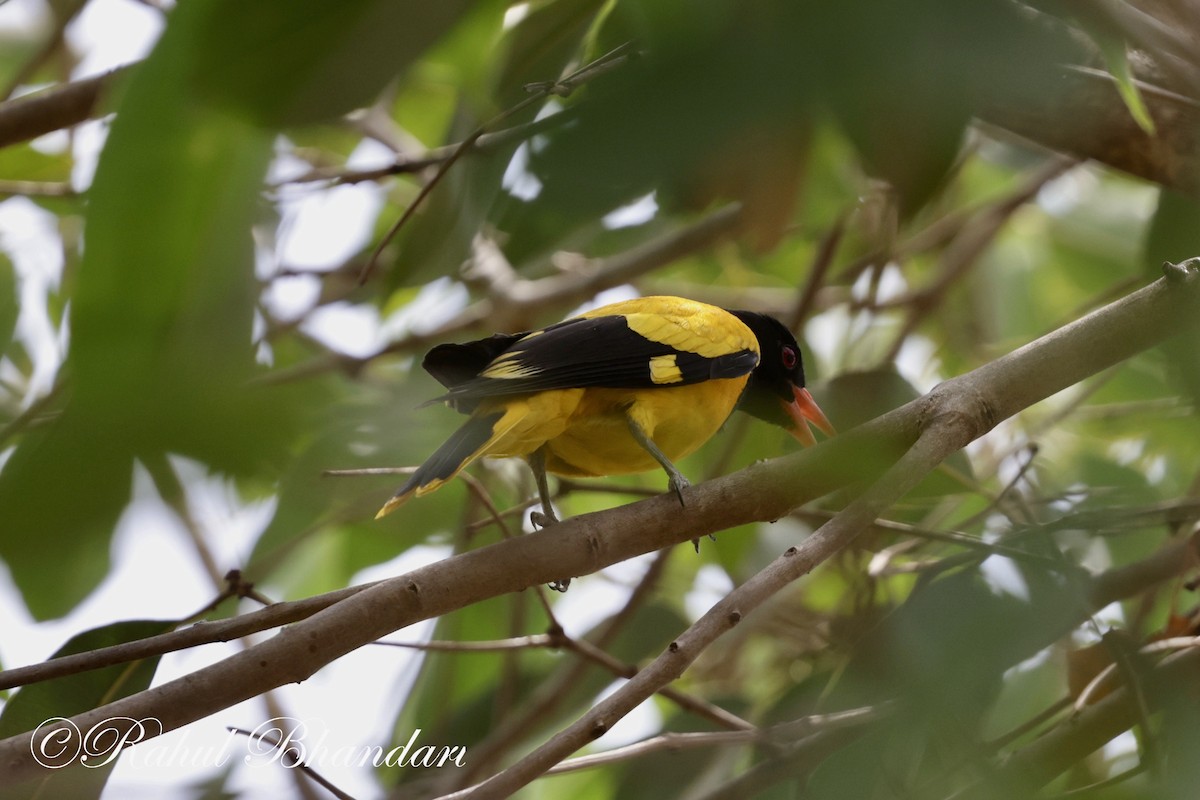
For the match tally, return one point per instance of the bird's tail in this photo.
(467, 444)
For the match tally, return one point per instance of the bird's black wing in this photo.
(455, 364)
(578, 353)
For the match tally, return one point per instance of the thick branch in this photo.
(1083, 115)
(969, 406)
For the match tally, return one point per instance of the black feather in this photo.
(773, 379)
(453, 364)
(449, 458)
(577, 353)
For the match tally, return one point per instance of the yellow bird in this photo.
(625, 388)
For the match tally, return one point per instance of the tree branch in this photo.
(1083, 115)
(950, 416)
(31, 116)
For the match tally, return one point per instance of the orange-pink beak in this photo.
(803, 410)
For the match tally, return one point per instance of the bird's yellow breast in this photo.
(586, 433)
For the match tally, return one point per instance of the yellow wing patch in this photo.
(508, 367)
(685, 325)
(663, 369)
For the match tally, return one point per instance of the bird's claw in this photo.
(544, 519)
(677, 484)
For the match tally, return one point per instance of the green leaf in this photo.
(163, 310)
(1174, 235)
(289, 62)
(903, 79)
(67, 696)
(61, 493)
(1118, 65)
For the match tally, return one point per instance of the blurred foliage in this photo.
(74, 694)
(905, 244)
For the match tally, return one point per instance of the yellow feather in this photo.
(663, 369)
(685, 325)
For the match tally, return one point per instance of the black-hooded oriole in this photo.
(624, 388)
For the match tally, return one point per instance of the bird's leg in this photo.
(677, 482)
(546, 517)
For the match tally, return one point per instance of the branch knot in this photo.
(1178, 273)
(958, 409)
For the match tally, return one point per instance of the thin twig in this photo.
(822, 263)
(540, 92)
(688, 702)
(37, 188)
(31, 116)
(536, 640)
(555, 690)
(525, 296)
(293, 758)
(339, 176)
(1144, 87)
(1049, 755)
(671, 742)
(1093, 790)
(1161, 646)
(955, 537)
(64, 15)
(963, 252)
(170, 489)
(36, 410)
(273, 616)
(1031, 452)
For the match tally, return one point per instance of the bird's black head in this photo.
(775, 391)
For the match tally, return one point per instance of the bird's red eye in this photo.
(789, 358)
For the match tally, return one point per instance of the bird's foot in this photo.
(677, 484)
(544, 519)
